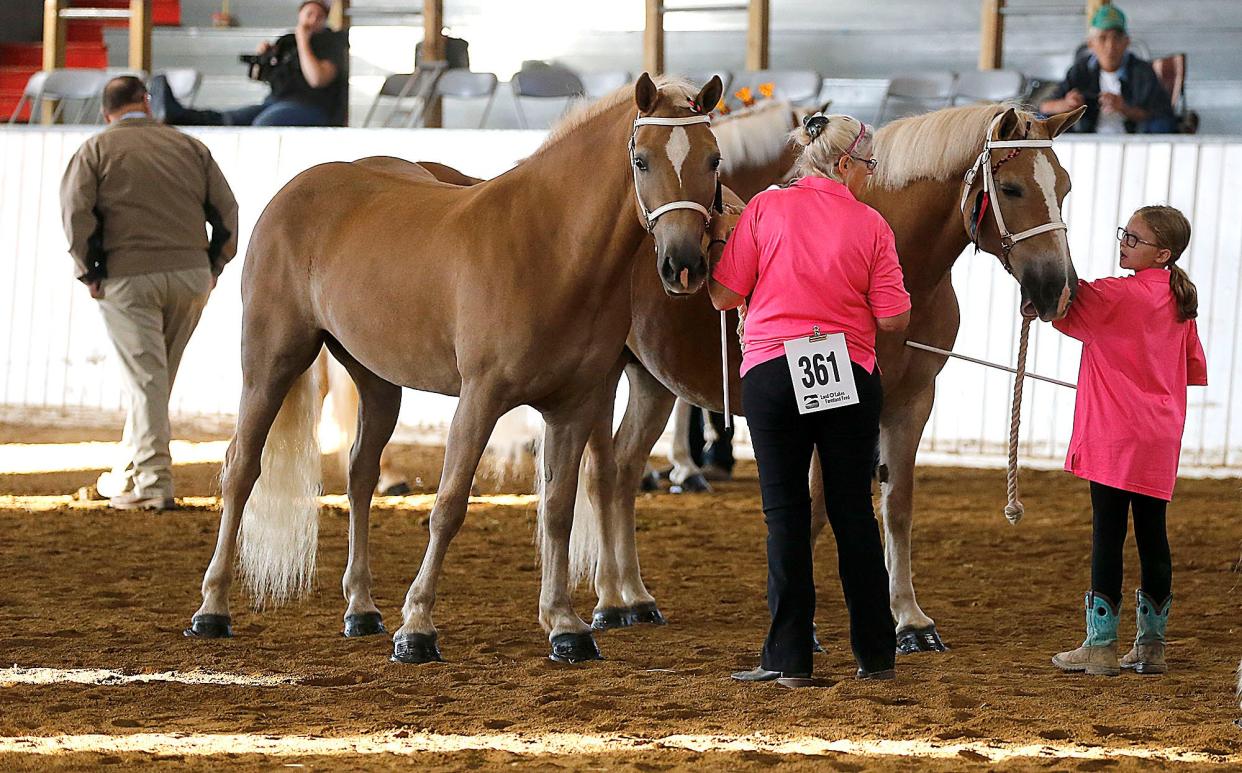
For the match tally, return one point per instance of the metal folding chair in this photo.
(988, 86)
(184, 82)
(73, 85)
(598, 84)
(543, 83)
(916, 94)
(31, 95)
(417, 85)
(463, 84)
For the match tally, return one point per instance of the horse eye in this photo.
(715, 163)
(640, 164)
(1011, 190)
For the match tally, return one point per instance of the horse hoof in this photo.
(646, 614)
(912, 640)
(816, 647)
(612, 617)
(650, 482)
(416, 648)
(574, 648)
(695, 484)
(209, 627)
(365, 624)
(397, 490)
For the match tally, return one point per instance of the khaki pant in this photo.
(149, 318)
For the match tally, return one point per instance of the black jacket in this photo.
(1139, 88)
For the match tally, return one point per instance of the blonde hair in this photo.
(820, 153)
(1172, 232)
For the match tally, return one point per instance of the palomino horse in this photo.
(923, 191)
(514, 291)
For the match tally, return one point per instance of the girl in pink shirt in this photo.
(1140, 351)
(811, 258)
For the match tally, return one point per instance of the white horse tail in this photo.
(340, 422)
(280, 524)
(584, 539)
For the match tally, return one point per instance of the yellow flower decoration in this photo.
(721, 107)
(745, 96)
(767, 90)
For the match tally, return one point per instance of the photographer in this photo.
(306, 69)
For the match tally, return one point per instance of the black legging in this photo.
(1110, 517)
(846, 440)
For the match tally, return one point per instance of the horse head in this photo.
(1011, 207)
(676, 164)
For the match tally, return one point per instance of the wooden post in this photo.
(140, 35)
(991, 35)
(53, 46)
(1092, 7)
(653, 38)
(338, 17)
(757, 35)
(433, 51)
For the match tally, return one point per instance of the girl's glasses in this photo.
(1131, 240)
(870, 163)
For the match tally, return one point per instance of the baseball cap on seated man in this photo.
(1109, 17)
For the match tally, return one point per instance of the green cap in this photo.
(1109, 17)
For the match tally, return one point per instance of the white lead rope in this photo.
(724, 367)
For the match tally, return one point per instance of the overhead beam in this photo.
(757, 34)
(992, 35)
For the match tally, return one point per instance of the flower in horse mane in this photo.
(767, 90)
(722, 107)
(745, 96)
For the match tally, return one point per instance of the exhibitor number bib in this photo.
(819, 366)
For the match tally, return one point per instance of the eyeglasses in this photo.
(870, 163)
(1131, 240)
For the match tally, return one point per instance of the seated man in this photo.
(306, 70)
(1120, 90)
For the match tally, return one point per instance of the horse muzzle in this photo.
(683, 271)
(1047, 294)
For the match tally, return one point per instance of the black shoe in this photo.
(762, 674)
(877, 676)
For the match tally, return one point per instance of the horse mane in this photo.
(753, 137)
(940, 145)
(584, 113)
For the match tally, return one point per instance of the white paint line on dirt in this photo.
(11, 677)
(418, 502)
(561, 744)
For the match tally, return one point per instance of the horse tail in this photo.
(280, 524)
(343, 416)
(584, 538)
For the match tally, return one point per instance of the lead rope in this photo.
(1014, 509)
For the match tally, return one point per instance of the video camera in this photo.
(261, 65)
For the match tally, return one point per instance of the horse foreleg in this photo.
(476, 415)
(900, 431)
(686, 475)
(628, 602)
(591, 540)
(565, 437)
(379, 404)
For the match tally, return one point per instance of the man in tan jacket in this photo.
(134, 201)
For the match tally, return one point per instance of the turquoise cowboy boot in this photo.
(1147, 654)
(1098, 653)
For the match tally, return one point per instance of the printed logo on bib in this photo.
(819, 366)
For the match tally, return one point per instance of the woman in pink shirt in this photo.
(1140, 351)
(811, 261)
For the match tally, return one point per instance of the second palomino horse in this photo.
(929, 186)
(514, 291)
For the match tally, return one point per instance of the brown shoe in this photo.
(132, 501)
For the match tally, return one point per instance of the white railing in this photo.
(55, 354)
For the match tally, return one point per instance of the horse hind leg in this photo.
(273, 360)
(379, 404)
(900, 431)
(686, 476)
(478, 410)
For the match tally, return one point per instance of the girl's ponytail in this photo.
(1184, 292)
(1172, 231)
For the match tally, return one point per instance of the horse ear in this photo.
(1060, 123)
(646, 95)
(1008, 126)
(709, 95)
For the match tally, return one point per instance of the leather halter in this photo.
(1008, 240)
(651, 216)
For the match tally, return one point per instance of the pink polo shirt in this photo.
(811, 254)
(1137, 360)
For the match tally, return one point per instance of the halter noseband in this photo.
(651, 216)
(1007, 239)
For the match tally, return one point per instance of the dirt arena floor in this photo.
(85, 588)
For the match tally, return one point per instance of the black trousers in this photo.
(846, 440)
(720, 451)
(1110, 516)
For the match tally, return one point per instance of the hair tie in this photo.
(815, 124)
